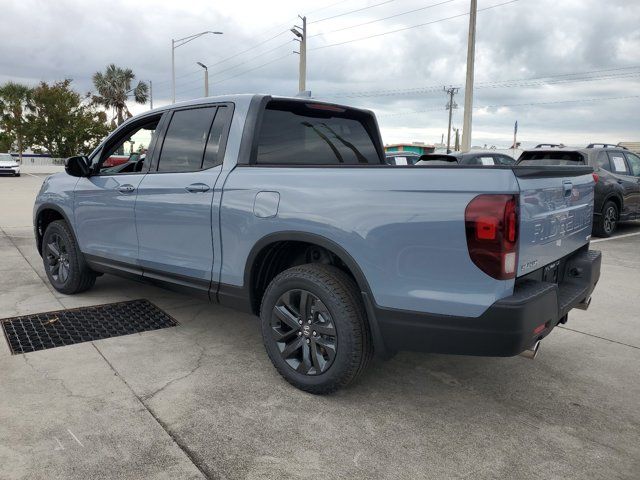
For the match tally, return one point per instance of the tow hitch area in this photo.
(29, 333)
(532, 352)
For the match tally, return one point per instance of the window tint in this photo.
(503, 160)
(309, 134)
(215, 151)
(617, 163)
(128, 153)
(183, 147)
(603, 161)
(551, 158)
(634, 163)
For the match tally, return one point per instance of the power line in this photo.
(411, 27)
(352, 11)
(529, 104)
(493, 84)
(381, 19)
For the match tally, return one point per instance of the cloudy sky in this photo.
(568, 71)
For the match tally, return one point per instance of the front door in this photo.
(104, 202)
(174, 204)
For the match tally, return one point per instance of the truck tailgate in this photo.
(556, 211)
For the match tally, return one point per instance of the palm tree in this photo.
(14, 99)
(114, 88)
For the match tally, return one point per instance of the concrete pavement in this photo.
(202, 400)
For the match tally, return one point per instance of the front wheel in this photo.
(608, 221)
(63, 261)
(314, 328)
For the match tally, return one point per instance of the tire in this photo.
(16, 174)
(63, 262)
(607, 220)
(333, 347)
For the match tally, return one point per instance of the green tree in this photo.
(14, 100)
(62, 122)
(114, 89)
(5, 142)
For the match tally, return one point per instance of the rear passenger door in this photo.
(174, 204)
(625, 178)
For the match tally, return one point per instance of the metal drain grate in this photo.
(40, 331)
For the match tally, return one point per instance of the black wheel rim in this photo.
(610, 219)
(58, 259)
(304, 332)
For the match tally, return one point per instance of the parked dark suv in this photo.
(617, 176)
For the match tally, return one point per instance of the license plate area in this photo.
(550, 272)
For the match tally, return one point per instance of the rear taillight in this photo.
(595, 177)
(491, 223)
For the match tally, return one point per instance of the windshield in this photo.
(5, 157)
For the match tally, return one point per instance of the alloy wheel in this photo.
(58, 259)
(610, 219)
(304, 332)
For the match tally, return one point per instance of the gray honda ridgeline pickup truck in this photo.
(285, 208)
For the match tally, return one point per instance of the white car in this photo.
(9, 165)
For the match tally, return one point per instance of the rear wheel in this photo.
(608, 221)
(63, 261)
(314, 328)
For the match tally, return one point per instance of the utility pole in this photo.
(150, 95)
(301, 33)
(206, 78)
(468, 89)
(451, 91)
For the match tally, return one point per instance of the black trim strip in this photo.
(546, 171)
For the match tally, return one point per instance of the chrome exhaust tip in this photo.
(584, 304)
(532, 352)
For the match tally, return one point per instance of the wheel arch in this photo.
(47, 213)
(258, 259)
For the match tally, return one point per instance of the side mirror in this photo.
(77, 166)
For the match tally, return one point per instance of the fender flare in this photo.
(36, 221)
(338, 251)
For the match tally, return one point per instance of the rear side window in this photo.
(618, 165)
(297, 133)
(551, 158)
(183, 147)
(215, 148)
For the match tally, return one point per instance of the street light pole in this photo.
(206, 78)
(468, 89)
(175, 43)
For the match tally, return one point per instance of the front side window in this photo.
(298, 133)
(128, 153)
(634, 163)
(184, 143)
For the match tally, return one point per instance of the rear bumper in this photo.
(507, 328)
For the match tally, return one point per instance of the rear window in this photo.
(299, 133)
(551, 158)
